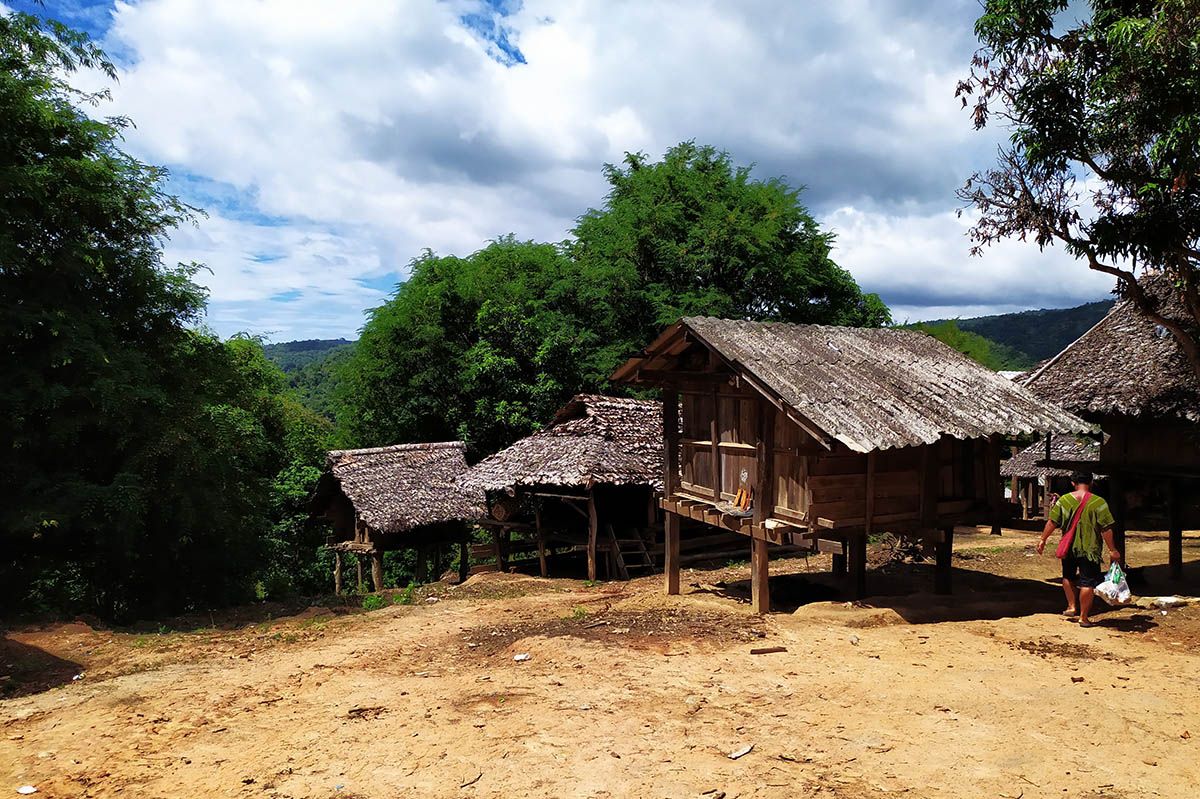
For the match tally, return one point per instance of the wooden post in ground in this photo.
(337, 572)
(994, 483)
(858, 564)
(671, 551)
(464, 560)
(1118, 507)
(377, 569)
(670, 418)
(943, 569)
(422, 566)
(541, 539)
(760, 592)
(1174, 530)
(498, 546)
(358, 562)
(593, 533)
(437, 561)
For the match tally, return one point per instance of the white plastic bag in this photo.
(1114, 589)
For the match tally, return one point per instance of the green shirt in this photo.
(1096, 518)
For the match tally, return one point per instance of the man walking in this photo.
(1084, 519)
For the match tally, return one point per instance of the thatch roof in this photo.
(1126, 365)
(867, 388)
(1062, 448)
(395, 489)
(593, 439)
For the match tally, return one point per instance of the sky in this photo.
(330, 143)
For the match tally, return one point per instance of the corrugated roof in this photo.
(879, 388)
(1062, 448)
(592, 439)
(1125, 365)
(397, 488)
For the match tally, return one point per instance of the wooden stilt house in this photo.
(398, 497)
(586, 482)
(1129, 375)
(1034, 483)
(833, 434)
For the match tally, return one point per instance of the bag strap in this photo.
(1079, 513)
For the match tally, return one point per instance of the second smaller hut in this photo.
(587, 481)
(398, 497)
(1034, 483)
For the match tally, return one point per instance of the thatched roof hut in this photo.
(818, 436)
(1029, 462)
(1129, 375)
(1125, 365)
(397, 497)
(592, 440)
(399, 488)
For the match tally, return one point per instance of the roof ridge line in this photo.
(407, 447)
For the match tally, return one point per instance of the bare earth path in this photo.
(630, 693)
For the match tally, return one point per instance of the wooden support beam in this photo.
(1118, 506)
(760, 593)
(714, 436)
(943, 569)
(593, 532)
(358, 563)
(671, 551)
(928, 485)
(337, 573)
(377, 569)
(764, 481)
(995, 486)
(1174, 531)
(837, 549)
(670, 419)
(498, 535)
(869, 516)
(464, 560)
(858, 566)
(541, 540)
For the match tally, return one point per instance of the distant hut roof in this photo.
(868, 388)
(1125, 365)
(593, 439)
(395, 489)
(1062, 448)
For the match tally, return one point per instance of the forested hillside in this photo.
(1039, 334)
(311, 369)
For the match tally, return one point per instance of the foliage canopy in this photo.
(1104, 156)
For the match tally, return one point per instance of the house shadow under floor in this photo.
(907, 589)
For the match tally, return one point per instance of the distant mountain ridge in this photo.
(311, 368)
(1039, 334)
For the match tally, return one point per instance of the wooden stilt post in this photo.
(377, 569)
(437, 561)
(839, 564)
(541, 539)
(337, 572)
(760, 592)
(943, 569)
(670, 418)
(464, 560)
(358, 563)
(422, 565)
(1174, 531)
(858, 565)
(593, 533)
(671, 551)
(1118, 506)
(994, 483)
(498, 546)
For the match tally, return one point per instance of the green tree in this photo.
(694, 234)
(146, 463)
(991, 354)
(486, 347)
(1104, 156)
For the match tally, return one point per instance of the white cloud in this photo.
(372, 130)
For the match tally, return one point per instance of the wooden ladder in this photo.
(635, 548)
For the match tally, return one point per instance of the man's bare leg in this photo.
(1072, 604)
(1085, 603)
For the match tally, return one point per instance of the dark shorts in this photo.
(1081, 571)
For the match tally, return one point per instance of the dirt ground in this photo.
(629, 693)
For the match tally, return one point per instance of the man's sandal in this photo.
(1071, 613)
(1086, 624)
